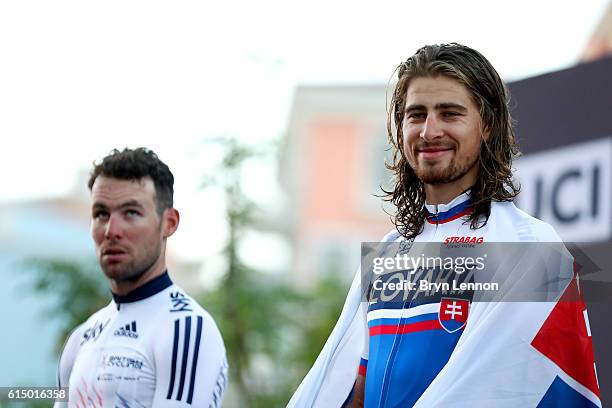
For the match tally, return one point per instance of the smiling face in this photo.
(128, 232)
(442, 133)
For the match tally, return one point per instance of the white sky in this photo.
(78, 78)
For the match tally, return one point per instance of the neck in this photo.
(126, 286)
(442, 193)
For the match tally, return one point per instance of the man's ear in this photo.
(485, 132)
(170, 221)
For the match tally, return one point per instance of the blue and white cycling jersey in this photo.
(154, 347)
(409, 342)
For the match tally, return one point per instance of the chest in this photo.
(114, 365)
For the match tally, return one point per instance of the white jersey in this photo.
(155, 347)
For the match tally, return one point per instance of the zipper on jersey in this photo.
(436, 212)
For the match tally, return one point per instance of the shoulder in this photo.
(72, 342)
(95, 324)
(179, 303)
(391, 236)
(184, 314)
(85, 331)
(527, 227)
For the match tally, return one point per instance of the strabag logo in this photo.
(464, 240)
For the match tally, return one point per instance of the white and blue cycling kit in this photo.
(154, 347)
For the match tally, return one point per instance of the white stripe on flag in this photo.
(586, 322)
(403, 313)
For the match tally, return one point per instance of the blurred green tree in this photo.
(77, 288)
(273, 331)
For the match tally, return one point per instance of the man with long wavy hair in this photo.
(451, 131)
(453, 142)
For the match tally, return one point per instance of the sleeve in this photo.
(191, 365)
(66, 361)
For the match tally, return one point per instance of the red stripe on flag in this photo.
(405, 328)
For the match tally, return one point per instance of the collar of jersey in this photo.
(149, 289)
(442, 213)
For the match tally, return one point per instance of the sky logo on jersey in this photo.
(180, 303)
(453, 314)
(129, 330)
(93, 332)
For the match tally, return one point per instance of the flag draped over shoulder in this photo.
(331, 378)
(511, 354)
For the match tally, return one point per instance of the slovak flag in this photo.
(506, 360)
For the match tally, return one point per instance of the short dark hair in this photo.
(136, 164)
(489, 93)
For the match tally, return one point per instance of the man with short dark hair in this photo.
(453, 143)
(153, 345)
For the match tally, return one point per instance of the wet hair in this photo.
(494, 182)
(137, 164)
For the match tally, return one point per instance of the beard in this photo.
(133, 270)
(439, 173)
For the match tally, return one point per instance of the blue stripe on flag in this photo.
(561, 394)
(405, 320)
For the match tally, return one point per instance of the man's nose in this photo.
(431, 128)
(113, 228)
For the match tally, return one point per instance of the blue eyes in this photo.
(103, 215)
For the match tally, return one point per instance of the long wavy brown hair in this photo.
(494, 182)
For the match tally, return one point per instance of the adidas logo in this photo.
(129, 330)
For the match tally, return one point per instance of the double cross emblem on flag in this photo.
(453, 314)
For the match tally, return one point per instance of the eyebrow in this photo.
(438, 106)
(130, 203)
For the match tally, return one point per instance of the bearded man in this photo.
(451, 132)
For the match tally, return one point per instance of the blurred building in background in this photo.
(600, 43)
(332, 166)
(49, 228)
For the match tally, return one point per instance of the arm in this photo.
(196, 378)
(357, 398)
(66, 361)
(358, 393)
